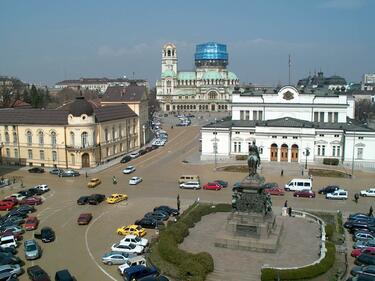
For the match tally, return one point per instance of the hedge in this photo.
(329, 231)
(331, 161)
(308, 272)
(192, 267)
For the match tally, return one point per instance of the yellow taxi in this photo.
(94, 182)
(116, 197)
(132, 229)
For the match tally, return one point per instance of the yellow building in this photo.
(77, 135)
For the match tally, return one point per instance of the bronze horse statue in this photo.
(253, 161)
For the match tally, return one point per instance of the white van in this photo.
(8, 241)
(298, 185)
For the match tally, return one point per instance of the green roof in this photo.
(186, 75)
(212, 75)
(232, 76)
(168, 73)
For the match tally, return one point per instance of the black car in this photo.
(149, 223)
(46, 235)
(160, 216)
(167, 209)
(36, 273)
(13, 220)
(63, 275)
(154, 278)
(56, 171)
(36, 170)
(95, 199)
(222, 183)
(365, 259)
(352, 226)
(83, 200)
(142, 152)
(25, 209)
(10, 250)
(8, 258)
(70, 173)
(35, 191)
(25, 193)
(329, 189)
(154, 147)
(126, 159)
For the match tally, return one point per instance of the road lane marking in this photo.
(89, 251)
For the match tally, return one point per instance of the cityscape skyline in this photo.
(49, 42)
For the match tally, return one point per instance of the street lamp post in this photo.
(307, 153)
(215, 149)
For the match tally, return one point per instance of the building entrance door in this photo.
(213, 107)
(284, 153)
(294, 152)
(85, 160)
(273, 152)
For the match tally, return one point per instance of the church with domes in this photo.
(207, 88)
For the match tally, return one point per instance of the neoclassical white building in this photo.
(207, 88)
(290, 125)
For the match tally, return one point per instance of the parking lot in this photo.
(79, 248)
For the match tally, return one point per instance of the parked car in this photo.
(32, 250)
(17, 196)
(36, 170)
(125, 159)
(31, 223)
(169, 210)
(222, 183)
(63, 275)
(36, 273)
(135, 240)
(304, 193)
(33, 201)
(83, 200)
(7, 241)
(116, 257)
(134, 155)
(116, 197)
(56, 171)
(357, 252)
(363, 235)
(34, 191)
(10, 199)
(9, 271)
(84, 219)
(42, 187)
(149, 223)
(365, 259)
(355, 225)
(272, 188)
(338, 195)
(127, 248)
(70, 173)
(361, 244)
(46, 235)
(132, 229)
(138, 260)
(6, 205)
(135, 180)
(329, 189)
(154, 278)
(368, 192)
(96, 199)
(367, 269)
(190, 185)
(212, 186)
(139, 271)
(93, 182)
(129, 170)
(160, 216)
(14, 228)
(357, 216)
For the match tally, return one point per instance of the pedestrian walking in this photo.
(302, 173)
(290, 211)
(370, 212)
(86, 175)
(356, 197)
(286, 204)
(282, 173)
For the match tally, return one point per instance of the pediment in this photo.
(237, 139)
(321, 142)
(360, 145)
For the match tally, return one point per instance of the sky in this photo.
(43, 41)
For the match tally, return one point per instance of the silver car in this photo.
(9, 270)
(116, 257)
(32, 250)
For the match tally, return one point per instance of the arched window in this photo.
(71, 138)
(29, 138)
(73, 159)
(14, 137)
(41, 138)
(113, 133)
(84, 139)
(169, 53)
(106, 134)
(6, 137)
(53, 138)
(54, 156)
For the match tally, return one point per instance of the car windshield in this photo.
(137, 239)
(131, 246)
(139, 228)
(31, 247)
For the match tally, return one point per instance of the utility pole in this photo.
(353, 155)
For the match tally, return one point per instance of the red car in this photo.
(84, 218)
(273, 188)
(212, 186)
(357, 252)
(6, 205)
(10, 199)
(31, 223)
(304, 193)
(31, 201)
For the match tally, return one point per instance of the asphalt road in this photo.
(79, 248)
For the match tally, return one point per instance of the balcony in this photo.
(87, 147)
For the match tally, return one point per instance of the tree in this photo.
(34, 96)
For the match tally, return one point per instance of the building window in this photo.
(294, 137)
(121, 147)
(237, 133)
(54, 156)
(338, 152)
(84, 139)
(260, 150)
(316, 116)
(29, 138)
(285, 137)
(360, 153)
(107, 151)
(321, 117)
(41, 138)
(120, 131)
(15, 153)
(30, 154)
(242, 115)
(53, 139)
(14, 138)
(235, 146)
(255, 115)
(319, 150)
(260, 115)
(329, 117)
(247, 115)
(8, 152)
(71, 138)
(73, 158)
(334, 150)
(360, 138)
(7, 137)
(113, 133)
(106, 134)
(274, 137)
(321, 135)
(335, 117)
(323, 150)
(41, 152)
(336, 136)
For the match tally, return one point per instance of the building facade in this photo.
(207, 88)
(76, 135)
(368, 82)
(289, 125)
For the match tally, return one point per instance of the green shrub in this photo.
(308, 272)
(329, 231)
(340, 227)
(331, 161)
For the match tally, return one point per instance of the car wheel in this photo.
(109, 263)
(14, 276)
(310, 196)
(297, 195)
(364, 195)
(119, 232)
(287, 189)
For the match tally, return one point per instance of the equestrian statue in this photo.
(253, 161)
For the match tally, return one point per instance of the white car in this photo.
(42, 187)
(135, 240)
(338, 194)
(191, 185)
(127, 248)
(134, 155)
(129, 170)
(135, 180)
(368, 192)
(18, 196)
(139, 260)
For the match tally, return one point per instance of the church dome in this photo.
(168, 73)
(232, 76)
(209, 75)
(81, 106)
(186, 75)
